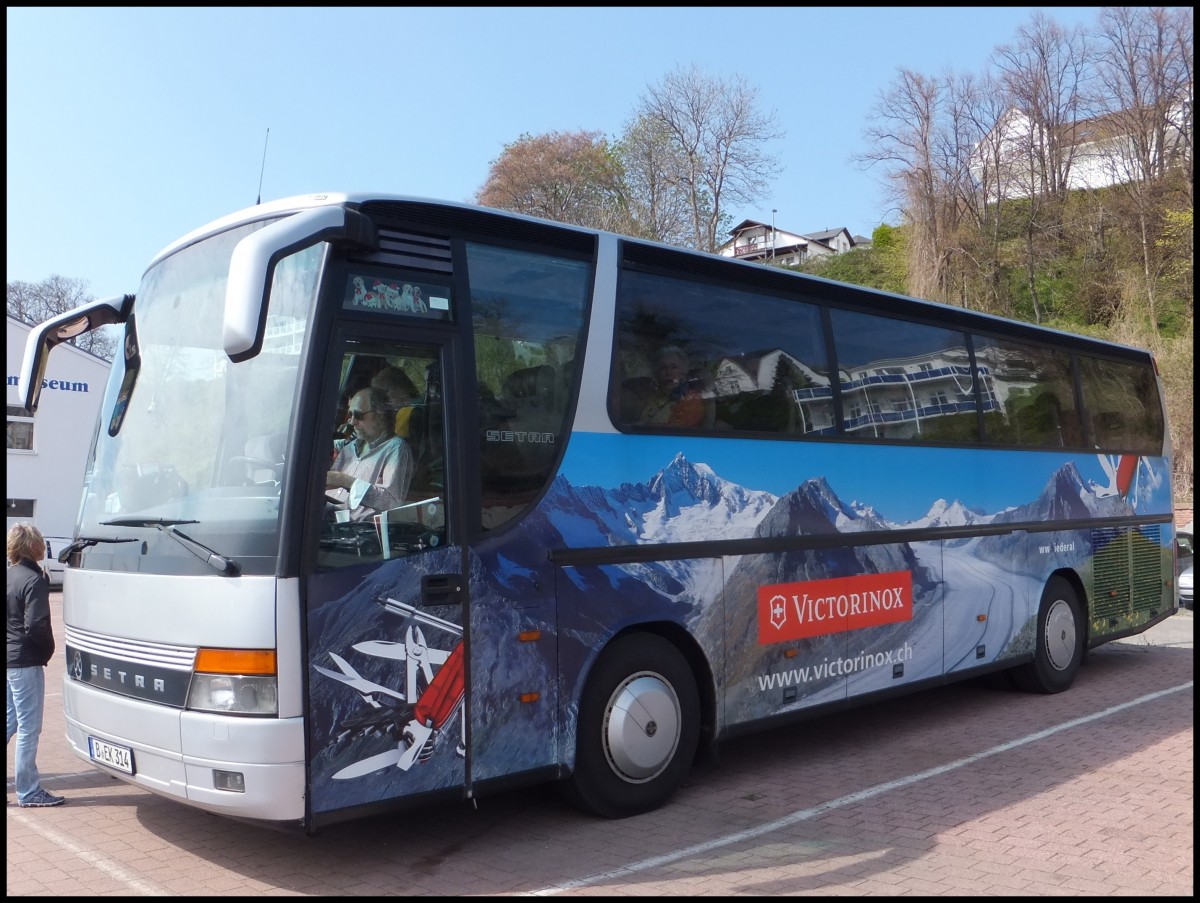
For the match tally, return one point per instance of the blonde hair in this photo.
(25, 541)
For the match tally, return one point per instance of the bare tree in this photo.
(981, 104)
(1045, 75)
(569, 177)
(33, 302)
(1145, 64)
(718, 133)
(1185, 54)
(658, 204)
(902, 138)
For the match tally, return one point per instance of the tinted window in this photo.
(1122, 404)
(902, 380)
(1028, 395)
(692, 356)
(20, 428)
(528, 319)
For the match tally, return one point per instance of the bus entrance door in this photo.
(386, 668)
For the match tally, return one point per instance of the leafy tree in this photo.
(883, 265)
(34, 302)
(1176, 247)
(569, 177)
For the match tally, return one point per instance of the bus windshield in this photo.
(187, 438)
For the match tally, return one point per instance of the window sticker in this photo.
(409, 297)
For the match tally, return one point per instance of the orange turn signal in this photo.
(236, 661)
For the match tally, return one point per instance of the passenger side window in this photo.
(1123, 407)
(1028, 395)
(697, 357)
(902, 380)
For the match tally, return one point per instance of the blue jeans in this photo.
(26, 697)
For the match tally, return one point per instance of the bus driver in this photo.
(371, 470)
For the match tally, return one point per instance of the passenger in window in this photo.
(401, 394)
(677, 399)
(372, 470)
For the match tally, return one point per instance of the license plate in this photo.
(118, 757)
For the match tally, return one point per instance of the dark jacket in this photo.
(30, 636)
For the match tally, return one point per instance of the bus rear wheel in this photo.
(1060, 641)
(639, 724)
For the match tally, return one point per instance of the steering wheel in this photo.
(276, 467)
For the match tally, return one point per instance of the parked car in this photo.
(50, 564)
(1183, 564)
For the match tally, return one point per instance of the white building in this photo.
(1010, 161)
(47, 453)
(763, 243)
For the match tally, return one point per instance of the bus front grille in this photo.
(162, 655)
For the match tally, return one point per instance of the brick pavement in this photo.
(959, 791)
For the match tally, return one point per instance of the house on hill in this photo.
(762, 243)
(1013, 159)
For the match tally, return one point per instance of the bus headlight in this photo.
(234, 694)
(235, 682)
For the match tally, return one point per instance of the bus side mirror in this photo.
(252, 267)
(56, 330)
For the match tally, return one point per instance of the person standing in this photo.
(30, 647)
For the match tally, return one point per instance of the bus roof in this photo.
(906, 304)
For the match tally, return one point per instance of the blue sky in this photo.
(129, 127)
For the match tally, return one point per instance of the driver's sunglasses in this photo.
(359, 415)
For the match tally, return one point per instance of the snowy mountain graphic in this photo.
(949, 514)
(815, 508)
(689, 502)
(683, 502)
(1066, 496)
(515, 585)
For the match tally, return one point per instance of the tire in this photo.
(639, 724)
(1060, 642)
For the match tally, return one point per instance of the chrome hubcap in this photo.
(641, 727)
(1060, 635)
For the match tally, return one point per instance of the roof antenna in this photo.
(264, 166)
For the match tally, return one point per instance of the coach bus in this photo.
(856, 495)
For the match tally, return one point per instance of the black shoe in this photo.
(41, 800)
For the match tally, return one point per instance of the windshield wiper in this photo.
(84, 542)
(146, 522)
(226, 566)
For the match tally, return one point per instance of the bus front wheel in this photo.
(1060, 641)
(639, 723)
